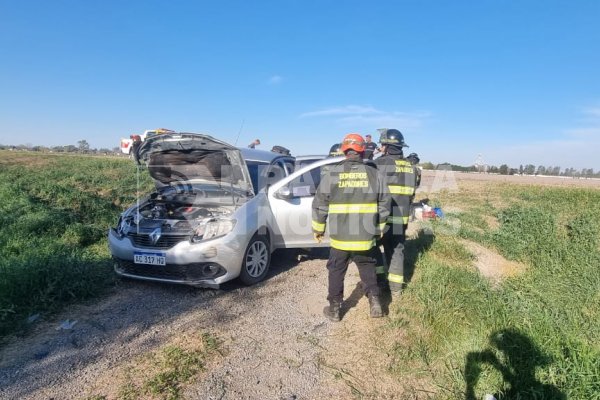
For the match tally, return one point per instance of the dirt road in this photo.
(275, 342)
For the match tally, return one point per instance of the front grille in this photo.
(166, 241)
(187, 272)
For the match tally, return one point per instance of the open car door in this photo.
(291, 203)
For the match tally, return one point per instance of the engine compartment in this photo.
(176, 213)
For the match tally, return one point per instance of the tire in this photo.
(256, 261)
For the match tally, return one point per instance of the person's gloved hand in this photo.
(318, 237)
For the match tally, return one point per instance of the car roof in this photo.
(261, 155)
(311, 157)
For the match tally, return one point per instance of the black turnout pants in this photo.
(393, 247)
(337, 265)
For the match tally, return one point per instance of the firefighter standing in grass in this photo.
(351, 194)
(399, 178)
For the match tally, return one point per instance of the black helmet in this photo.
(392, 137)
(335, 150)
(413, 158)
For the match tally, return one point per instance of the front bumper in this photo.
(190, 274)
(186, 263)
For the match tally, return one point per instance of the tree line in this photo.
(82, 147)
(528, 169)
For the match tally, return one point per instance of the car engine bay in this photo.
(174, 213)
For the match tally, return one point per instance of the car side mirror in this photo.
(284, 193)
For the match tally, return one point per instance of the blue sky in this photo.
(515, 81)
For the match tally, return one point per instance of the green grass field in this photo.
(55, 211)
(534, 336)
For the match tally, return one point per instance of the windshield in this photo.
(255, 168)
(204, 193)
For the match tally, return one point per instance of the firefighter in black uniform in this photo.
(352, 195)
(414, 160)
(399, 178)
(335, 151)
(370, 148)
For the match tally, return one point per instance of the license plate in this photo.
(149, 258)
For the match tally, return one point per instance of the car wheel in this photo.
(256, 261)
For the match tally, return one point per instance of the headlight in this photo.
(120, 227)
(123, 225)
(213, 228)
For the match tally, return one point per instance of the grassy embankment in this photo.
(536, 335)
(55, 211)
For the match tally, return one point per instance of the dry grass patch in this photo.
(492, 222)
(25, 159)
(163, 373)
(492, 265)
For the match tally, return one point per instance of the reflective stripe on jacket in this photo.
(352, 200)
(399, 177)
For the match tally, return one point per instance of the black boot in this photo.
(332, 311)
(396, 290)
(383, 284)
(375, 307)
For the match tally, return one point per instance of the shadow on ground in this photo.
(283, 260)
(414, 248)
(514, 355)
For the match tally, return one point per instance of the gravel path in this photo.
(277, 344)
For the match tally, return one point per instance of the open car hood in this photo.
(173, 158)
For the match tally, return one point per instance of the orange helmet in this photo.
(353, 141)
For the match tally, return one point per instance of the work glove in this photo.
(318, 237)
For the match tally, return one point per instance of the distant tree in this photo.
(454, 167)
(529, 169)
(70, 148)
(541, 170)
(513, 171)
(556, 171)
(118, 150)
(493, 169)
(83, 146)
(571, 172)
(503, 169)
(425, 165)
(521, 169)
